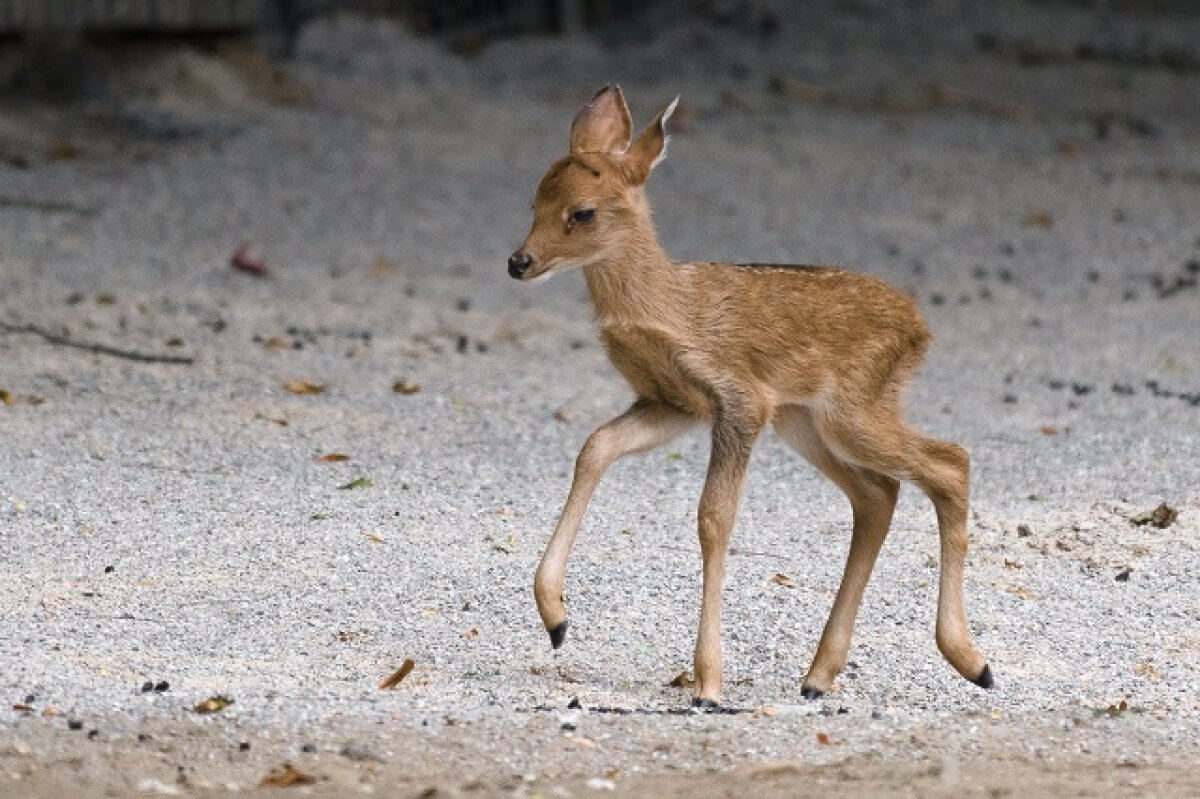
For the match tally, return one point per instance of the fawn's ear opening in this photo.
(604, 124)
(651, 146)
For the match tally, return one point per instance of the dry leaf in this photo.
(1013, 564)
(560, 415)
(823, 739)
(276, 343)
(1147, 670)
(304, 387)
(273, 420)
(247, 259)
(392, 680)
(681, 680)
(406, 386)
(470, 634)
(214, 704)
(333, 457)
(1038, 219)
(286, 776)
(378, 539)
(7, 398)
(381, 267)
(1161, 517)
(1048, 430)
(358, 482)
(584, 743)
(782, 579)
(1069, 148)
(1023, 593)
(49, 712)
(21, 707)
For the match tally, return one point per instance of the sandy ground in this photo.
(171, 523)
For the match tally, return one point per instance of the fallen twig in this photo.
(99, 349)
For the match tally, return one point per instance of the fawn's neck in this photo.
(637, 281)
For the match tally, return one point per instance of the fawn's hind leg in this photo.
(878, 440)
(873, 498)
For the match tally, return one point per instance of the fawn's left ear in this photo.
(650, 147)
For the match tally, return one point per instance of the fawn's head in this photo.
(590, 203)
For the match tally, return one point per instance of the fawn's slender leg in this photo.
(873, 498)
(732, 441)
(644, 426)
(879, 441)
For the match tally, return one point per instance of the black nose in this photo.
(518, 262)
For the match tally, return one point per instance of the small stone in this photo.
(75, 725)
(575, 704)
(147, 687)
(109, 569)
(1023, 531)
(1123, 576)
(244, 746)
(157, 787)
(162, 686)
(1010, 399)
(93, 734)
(308, 749)
(463, 344)
(463, 304)
(567, 727)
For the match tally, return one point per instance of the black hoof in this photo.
(984, 680)
(811, 693)
(558, 635)
(704, 704)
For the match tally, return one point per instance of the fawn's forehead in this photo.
(574, 174)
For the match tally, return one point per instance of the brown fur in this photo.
(821, 352)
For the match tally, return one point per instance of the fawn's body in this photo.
(821, 353)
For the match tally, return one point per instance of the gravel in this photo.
(170, 526)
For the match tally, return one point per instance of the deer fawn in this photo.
(821, 353)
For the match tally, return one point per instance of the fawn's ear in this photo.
(603, 126)
(650, 147)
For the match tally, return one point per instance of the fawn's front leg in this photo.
(732, 440)
(645, 425)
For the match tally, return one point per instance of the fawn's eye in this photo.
(584, 215)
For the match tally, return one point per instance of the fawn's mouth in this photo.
(535, 271)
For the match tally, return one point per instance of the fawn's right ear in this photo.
(604, 125)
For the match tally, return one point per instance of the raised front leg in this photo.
(644, 426)
(733, 438)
